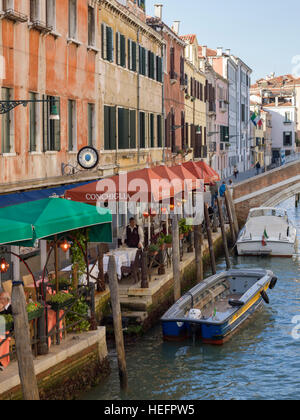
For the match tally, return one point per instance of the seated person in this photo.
(5, 304)
(133, 235)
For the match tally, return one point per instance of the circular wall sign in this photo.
(88, 157)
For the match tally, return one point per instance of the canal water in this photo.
(262, 361)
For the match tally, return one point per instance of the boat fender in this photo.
(235, 303)
(265, 297)
(195, 314)
(273, 283)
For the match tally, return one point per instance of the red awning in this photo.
(143, 185)
(209, 175)
(190, 180)
(166, 173)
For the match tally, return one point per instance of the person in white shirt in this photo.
(5, 304)
(133, 235)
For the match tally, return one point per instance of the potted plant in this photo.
(161, 243)
(153, 250)
(183, 228)
(168, 241)
(61, 301)
(63, 284)
(34, 311)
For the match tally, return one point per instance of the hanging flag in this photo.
(255, 118)
(266, 234)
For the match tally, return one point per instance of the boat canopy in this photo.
(267, 211)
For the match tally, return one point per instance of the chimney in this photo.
(158, 11)
(219, 51)
(204, 51)
(176, 26)
(228, 52)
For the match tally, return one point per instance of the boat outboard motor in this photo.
(195, 314)
(265, 297)
(273, 283)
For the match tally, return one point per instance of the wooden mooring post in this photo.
(229, 213)
(210, 240)
(117, 319)
(198, 239)
(224, 236)
(23, 344)
(233, 212)
(176, 257)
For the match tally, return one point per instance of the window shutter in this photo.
(159, 131)
(129, 54)
(132, 130)
(133, 52)
(103, 41)
(57, 128)
(172, 62)
(118, 49)
(109, 44)
(123, 51)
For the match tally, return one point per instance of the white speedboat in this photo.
(268, 231)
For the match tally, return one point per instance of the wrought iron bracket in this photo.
(7, 106)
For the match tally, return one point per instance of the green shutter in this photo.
(106, 128)
(109, 128)
(109, 44)
(123, 50)
(152, 143)
(159, 133)
(133, 51)
(129, 65)
(121, 139)
(132, 130)
(142, 131)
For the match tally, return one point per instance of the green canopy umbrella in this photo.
(51, 217)
(12, 231)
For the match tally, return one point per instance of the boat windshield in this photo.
(267, 212)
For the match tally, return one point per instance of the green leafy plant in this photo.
(79, 310)
(153, 249)
(78, 257)
(33, 307)
(168, 239)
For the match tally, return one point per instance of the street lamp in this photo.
(7, 106)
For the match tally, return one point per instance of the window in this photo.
(7, 125)
(159, 131)
(51, 13)
(132, 50)
(288, 117)
(109, 128)
(8, 4)
(151, 131)
(142, 130)
(159, 69)
(72, 129)
(123, 128)
(243, 113)
(107, 43)
(91, 25)
(91, 125)
(132, 130)
(34, 10)
(51, 127)
(142, 61)
(33, 122)
(73, 19)
(120, 50)
(288, 138)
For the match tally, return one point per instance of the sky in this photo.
(263, 33)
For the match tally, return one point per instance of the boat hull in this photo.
(272, 248)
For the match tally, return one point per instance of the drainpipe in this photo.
(138, 98)
(163, 104)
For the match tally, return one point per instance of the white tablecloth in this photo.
(124, 257)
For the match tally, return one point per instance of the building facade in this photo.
(50, 51)
(130, 88)
(278, 95)
(217, 116)
(196, 97)
(237, 73)
(174, 85)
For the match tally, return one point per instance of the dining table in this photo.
(123, 257)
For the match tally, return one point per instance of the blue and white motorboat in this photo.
(215, 309)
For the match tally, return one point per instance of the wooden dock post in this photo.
(23, 344)
(101, 279)
(176, 258)
(145, 274)
(223, 234)
(233, 212)
(210, 240)
(117, 319)
(198, 238)
(228, 208)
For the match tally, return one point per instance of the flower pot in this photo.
(169, 246)
(35, 314)
(58, 306)
(162, 247)
(181, 236)
(153, 254)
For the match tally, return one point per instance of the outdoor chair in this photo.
(135, 269)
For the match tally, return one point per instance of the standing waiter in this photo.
(133, 235)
